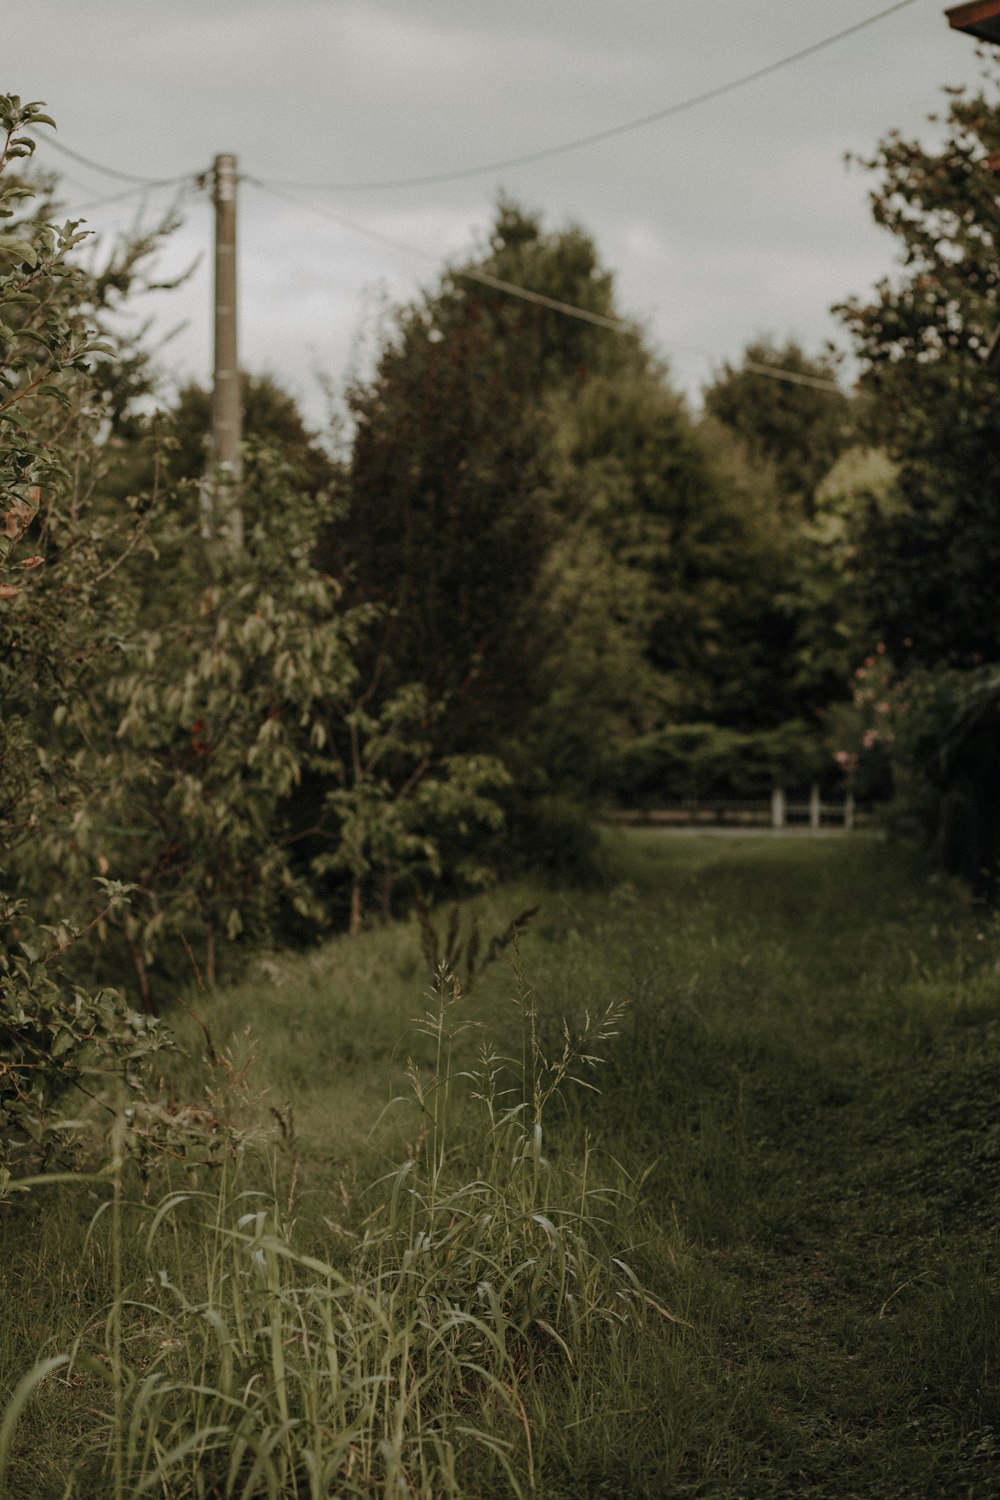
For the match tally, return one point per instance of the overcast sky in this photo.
(735, 219)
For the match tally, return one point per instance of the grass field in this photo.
(760, 1261)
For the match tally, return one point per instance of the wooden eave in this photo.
(981, 19)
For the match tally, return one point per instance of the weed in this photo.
(402, 1364)
(463, 954)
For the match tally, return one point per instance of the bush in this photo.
(946, 752)
(702, 761)
(554, 837)
(58, 1039)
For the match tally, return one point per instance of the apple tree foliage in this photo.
(66, 1049)
(165, 697)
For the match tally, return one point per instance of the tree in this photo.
(446, 526)
(797, 427)
(928, 553)
(565, 554)
(211, 720)
(697, 532)
(824, 476)
(451, 516)
(51, 632)
(271, 420)
(74, 378)
(162, 705)
(833, 626)
(929, 562)
(55, 1034)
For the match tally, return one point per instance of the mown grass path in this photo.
(815, 1063)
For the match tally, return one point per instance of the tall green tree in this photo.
(930, 561)
(798, 426)
(53, 634)
(696, 532)
(928, 555)
(452, 516)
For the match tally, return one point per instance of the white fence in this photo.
(778, 811)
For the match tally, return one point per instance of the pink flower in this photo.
(870, 739)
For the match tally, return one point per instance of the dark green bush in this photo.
(702, 761)
(64, 1048)
(554, 837)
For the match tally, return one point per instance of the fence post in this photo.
(778, 808)
(848, 811)
(814, 806)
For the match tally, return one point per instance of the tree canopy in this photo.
(565, 552)
(797, 426)
(928, 544)
(930, 560)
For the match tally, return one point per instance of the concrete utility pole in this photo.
(227, 422)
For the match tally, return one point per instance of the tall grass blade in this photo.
(23, 1392)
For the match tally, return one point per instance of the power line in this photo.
(617, 325)
(142, 185)
(96, 166)
(470, 273)
(525, 294)
(578, 143)
(683, 105)
(791, 377)
(278, 188)
(126, 193)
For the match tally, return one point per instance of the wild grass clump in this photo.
(409, 1357)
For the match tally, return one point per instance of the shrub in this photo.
(59, 1040)
(553, 837)
(702, 761)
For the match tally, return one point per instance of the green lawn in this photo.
(795, 1148)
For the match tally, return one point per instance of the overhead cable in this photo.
(791, 377)
(592, 139)
(96, 166)
(583, 314)
(525, 294)
(126, 193)
(578, 143)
